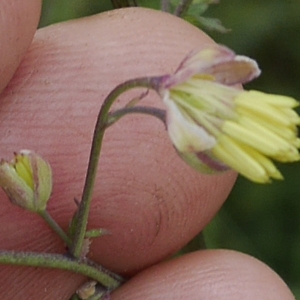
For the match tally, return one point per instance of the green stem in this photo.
(156, 112)
(182, 7)
(52, 223)
(58, 261)
(101, 125)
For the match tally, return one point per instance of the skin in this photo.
(150, 201)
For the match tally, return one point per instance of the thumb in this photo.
(18, 24)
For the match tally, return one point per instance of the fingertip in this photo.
(209, 274)
(18, 23)
(38, 283)
(151, 201)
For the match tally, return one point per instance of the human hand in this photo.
(150, 201)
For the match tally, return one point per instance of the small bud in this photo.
(27, 180)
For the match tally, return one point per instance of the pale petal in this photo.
(186, 135)
(218, 61)
(241, 69)
(197, 62)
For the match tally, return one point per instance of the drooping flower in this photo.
(27, 180)
(215, 125)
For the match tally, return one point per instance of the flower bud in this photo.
(27, 180)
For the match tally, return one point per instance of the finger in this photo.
(212, 274)
(18, 24)
(150, 201)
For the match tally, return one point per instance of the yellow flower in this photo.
(215, 126)
(27, 180)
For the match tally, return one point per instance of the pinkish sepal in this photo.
(221, 63)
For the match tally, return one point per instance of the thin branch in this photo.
(155, 112)
(182, 8)
(101, 125)
(53, 224)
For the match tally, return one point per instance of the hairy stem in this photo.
(58, 261)
(101, 125)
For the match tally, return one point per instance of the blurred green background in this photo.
(262, 220)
